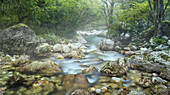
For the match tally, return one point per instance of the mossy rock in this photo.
(18, 39)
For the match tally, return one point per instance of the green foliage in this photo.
(131, 19)
(61, 17)
(49, 38)
(159, 41)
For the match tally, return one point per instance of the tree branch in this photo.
(165, 8)
(151, 10)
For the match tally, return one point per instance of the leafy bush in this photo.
(131, 20)
(49, 38)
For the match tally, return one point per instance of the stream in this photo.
(96, 58)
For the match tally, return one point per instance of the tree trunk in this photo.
(156, 17)
(162, 8)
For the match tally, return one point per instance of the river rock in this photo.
(20, 60)
(57, 48)
(18, 39)
(160, 89)
(2, 91)
(166, 74)
(81, 92)
(158, 80)
(145, 81)
(15, 78)
(46, 67)
(107, 45)
(127, 48)
(75, 81)
(128, 53)
(90, 70)
(161, 47)
(7, 58)
(168, 42)
(113, 69)
(75, 46)
(136, 93)
(65, 48)
(72, 54)
(117, 48)
(42, 87)
(117, 80)
(98, 91)
(58, 56)
(43, 50)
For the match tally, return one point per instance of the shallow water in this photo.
(74, 66)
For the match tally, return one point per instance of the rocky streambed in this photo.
(83, 69)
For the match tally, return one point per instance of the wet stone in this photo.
(80, 92)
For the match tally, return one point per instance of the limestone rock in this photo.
(107, 45)
(58, 56)
(57, 48)
(166, 74)
(66, 49)
(76, 81)
(114, 69)
(18, 39)
(41, 67)
(90, 69)
(43, 50)
(72, 54)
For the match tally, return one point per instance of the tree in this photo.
(157, 11)
(107, 8)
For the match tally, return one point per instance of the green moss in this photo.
(21, 24)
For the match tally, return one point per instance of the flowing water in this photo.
(94, 57)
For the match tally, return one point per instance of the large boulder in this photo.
(18, 39)
(107, 45)
(75, 81)
(45, 67)
(114, 69)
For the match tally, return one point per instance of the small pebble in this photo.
(98, 91)
(155, 75)
(104, 89)
(92, 89)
